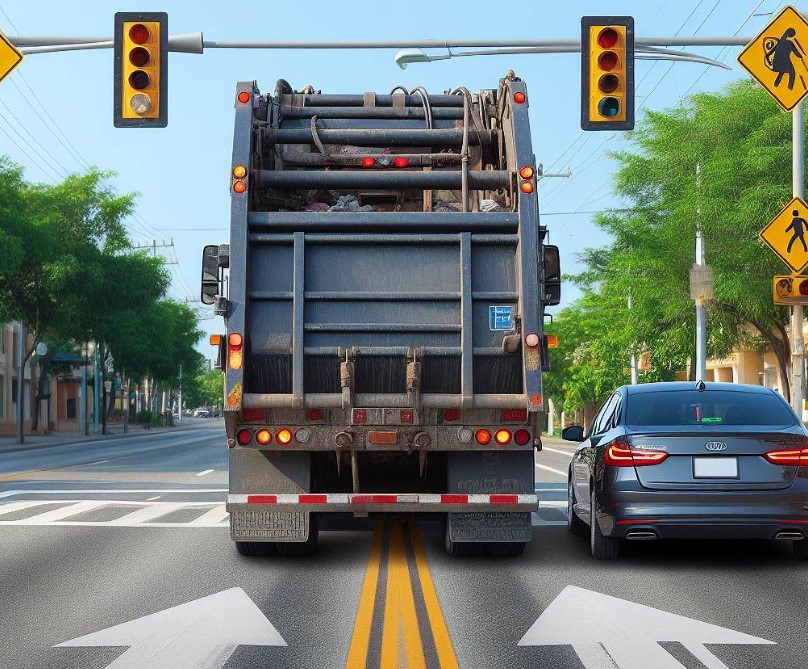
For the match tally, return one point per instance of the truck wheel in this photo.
(506, 548)
(301, 548)
(801, 550)
(603, 548)
(255, 548)
(461, 548)
(575, 525)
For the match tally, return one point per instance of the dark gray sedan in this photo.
(694, 461)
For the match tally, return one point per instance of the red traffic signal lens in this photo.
(139, 80)
(139, 57)
(139, 33)
(609, 107)
(803, 287)
(607, 38)
(609, 83)
(607, 61)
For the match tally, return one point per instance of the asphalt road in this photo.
(95, 535)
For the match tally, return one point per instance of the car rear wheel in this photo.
(575, 525)
(603, 548)
(801, 550)
(255, 548)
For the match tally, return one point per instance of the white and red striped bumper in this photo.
(404, 502)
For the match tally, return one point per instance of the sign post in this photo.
(797, 341)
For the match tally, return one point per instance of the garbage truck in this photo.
(383, 293)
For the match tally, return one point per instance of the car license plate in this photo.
(715, 468)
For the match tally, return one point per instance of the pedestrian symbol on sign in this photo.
(785, 234)
(778, 54)
(798, 225)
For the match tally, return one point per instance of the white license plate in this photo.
(715, 468)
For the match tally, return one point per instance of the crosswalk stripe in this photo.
(215, 516)
(148, 513)
(19, 506)
(63, 512)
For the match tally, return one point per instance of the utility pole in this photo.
(797, 342)
(96, 403)
(179, 399)
(83, 391)
(633, 354)
(21, 384)
(701, 311)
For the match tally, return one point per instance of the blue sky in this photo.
(181, 172)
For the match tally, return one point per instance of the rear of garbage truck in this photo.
(384, 302)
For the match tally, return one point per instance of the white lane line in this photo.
(151, 499)
(551, 469)
(205, 473)
(64, 512)
(212, 518)
(556, 450)
(75, 491)
(97, 462)
(554, 504)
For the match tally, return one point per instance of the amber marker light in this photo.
(527, 172)
(526, 187)
(239, 171)
(284, 436)
(263, 436)
(239, 187)
(503, 437)
(244, 97)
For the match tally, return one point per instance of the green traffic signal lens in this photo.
(139, 80)
(609, 107)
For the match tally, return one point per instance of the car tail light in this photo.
(521, 437)
(406, 416)
(620, 454)
(503, 437)
(244, 437)
(315, 414)
(483, 437)
(514, 415)
(788, 457)
(253, 415)
(263, 436)
(450, 415)
(284, 436)
(235, 355)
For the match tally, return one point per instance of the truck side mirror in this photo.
(210, 273)
(551, 286)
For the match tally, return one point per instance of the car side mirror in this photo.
(210, 273)
(573, 433)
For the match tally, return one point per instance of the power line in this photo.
(65, 171)
(29, 156)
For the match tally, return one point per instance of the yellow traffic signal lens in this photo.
(139, 80)
(239, 171)
(139, 33)
(140, 104)
(608, 83)
(608, 60)
(607, 38)
(139, 57)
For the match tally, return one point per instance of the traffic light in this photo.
(790, 289)
(607, 73)
(141, 64)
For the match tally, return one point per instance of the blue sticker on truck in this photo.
(500, 318)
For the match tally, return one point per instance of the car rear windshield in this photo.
(716, 407)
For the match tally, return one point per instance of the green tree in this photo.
(206, 389)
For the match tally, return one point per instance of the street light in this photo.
(407, 56)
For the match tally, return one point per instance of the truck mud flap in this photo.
(493, 472)
(262, 525)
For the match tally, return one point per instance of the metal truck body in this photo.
(387, 360)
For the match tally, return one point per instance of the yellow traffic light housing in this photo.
(790, 289)
(141, 69)
(607, 73)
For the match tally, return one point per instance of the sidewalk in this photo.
(114, 431)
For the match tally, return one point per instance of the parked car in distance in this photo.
(690, 461)
(201, 413)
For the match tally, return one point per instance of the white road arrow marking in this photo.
(611, 633)
(201, 634)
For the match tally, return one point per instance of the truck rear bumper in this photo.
(382, 502)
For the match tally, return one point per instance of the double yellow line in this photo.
(402, 646)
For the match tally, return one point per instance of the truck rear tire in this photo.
(506, 548)
(461, 548)
(301, 548)
(255, 548)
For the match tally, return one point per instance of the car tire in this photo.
(603, 547)
(255, 548)
(506, 548)
(800, 550)
(301, 548)
(575, 525)
(460, 548)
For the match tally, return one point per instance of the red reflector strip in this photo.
(637, 521)
(454, 499)
(374, 499)
(262, 499)
(504, 499)
(312, 499)
(793, 522)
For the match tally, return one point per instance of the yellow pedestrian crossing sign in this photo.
(787, 234)
(777, 58)
(10, 57)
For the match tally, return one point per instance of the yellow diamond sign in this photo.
(9, 56)
(777, 58)
(787, 234)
